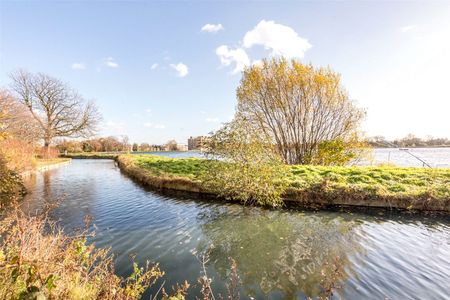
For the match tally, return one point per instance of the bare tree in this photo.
(125, 140)
(58, 109)
(172, 145)
(297, 106)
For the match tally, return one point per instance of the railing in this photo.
(424, 163)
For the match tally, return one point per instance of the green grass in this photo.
(191, 168)
(376, 181)
(382, 181)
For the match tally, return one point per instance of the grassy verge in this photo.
(410, 188)
(94, 155)
(40, 163)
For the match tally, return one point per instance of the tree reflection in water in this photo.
(279, 252)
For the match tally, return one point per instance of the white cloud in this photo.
(281, 39)
(154, 66)
(148, 110)
(182, 69)
(212, 28)
(148, 124)
(228, 56)
(110, 62)
(212, 120)
(408, 28)
(78, 66)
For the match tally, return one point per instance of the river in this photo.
(280, 254)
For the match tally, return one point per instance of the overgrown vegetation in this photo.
(244, 166)
(10, 184)
(39, 261)
(18, 132)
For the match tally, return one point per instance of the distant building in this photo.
(182, 147)
(197, 143)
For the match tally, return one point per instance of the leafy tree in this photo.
(297, 106)
(243, 166)
(135, 147)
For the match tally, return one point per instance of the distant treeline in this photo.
(110, 144)
(409, 141)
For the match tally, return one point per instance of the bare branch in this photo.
(58, 109)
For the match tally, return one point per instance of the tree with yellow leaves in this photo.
(297, 107)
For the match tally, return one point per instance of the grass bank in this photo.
(391, 187)
(43, 163)
(94, 155)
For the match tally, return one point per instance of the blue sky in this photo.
(156, 75)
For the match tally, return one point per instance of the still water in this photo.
(280, 254)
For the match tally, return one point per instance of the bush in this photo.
(38, 261)
(340, 153)
(10, 184)
(48, 152)
(19, 154)
(243, 167)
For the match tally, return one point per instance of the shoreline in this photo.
(41, 167)
(315, 197)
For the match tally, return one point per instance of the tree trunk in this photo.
(46, 153)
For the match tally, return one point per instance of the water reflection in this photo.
(279, 251)
(280, 254)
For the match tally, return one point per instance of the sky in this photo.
(169, 70)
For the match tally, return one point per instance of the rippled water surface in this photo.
(284, 254)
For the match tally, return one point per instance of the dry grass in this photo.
(52, 161)
(39, 261)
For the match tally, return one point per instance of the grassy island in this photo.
(404, 188)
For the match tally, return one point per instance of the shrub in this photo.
(38, 261)
(244, 167)
(339, 152)
(48, 152)
(10, 183)
(19, 154)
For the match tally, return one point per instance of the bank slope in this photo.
(390, 187)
